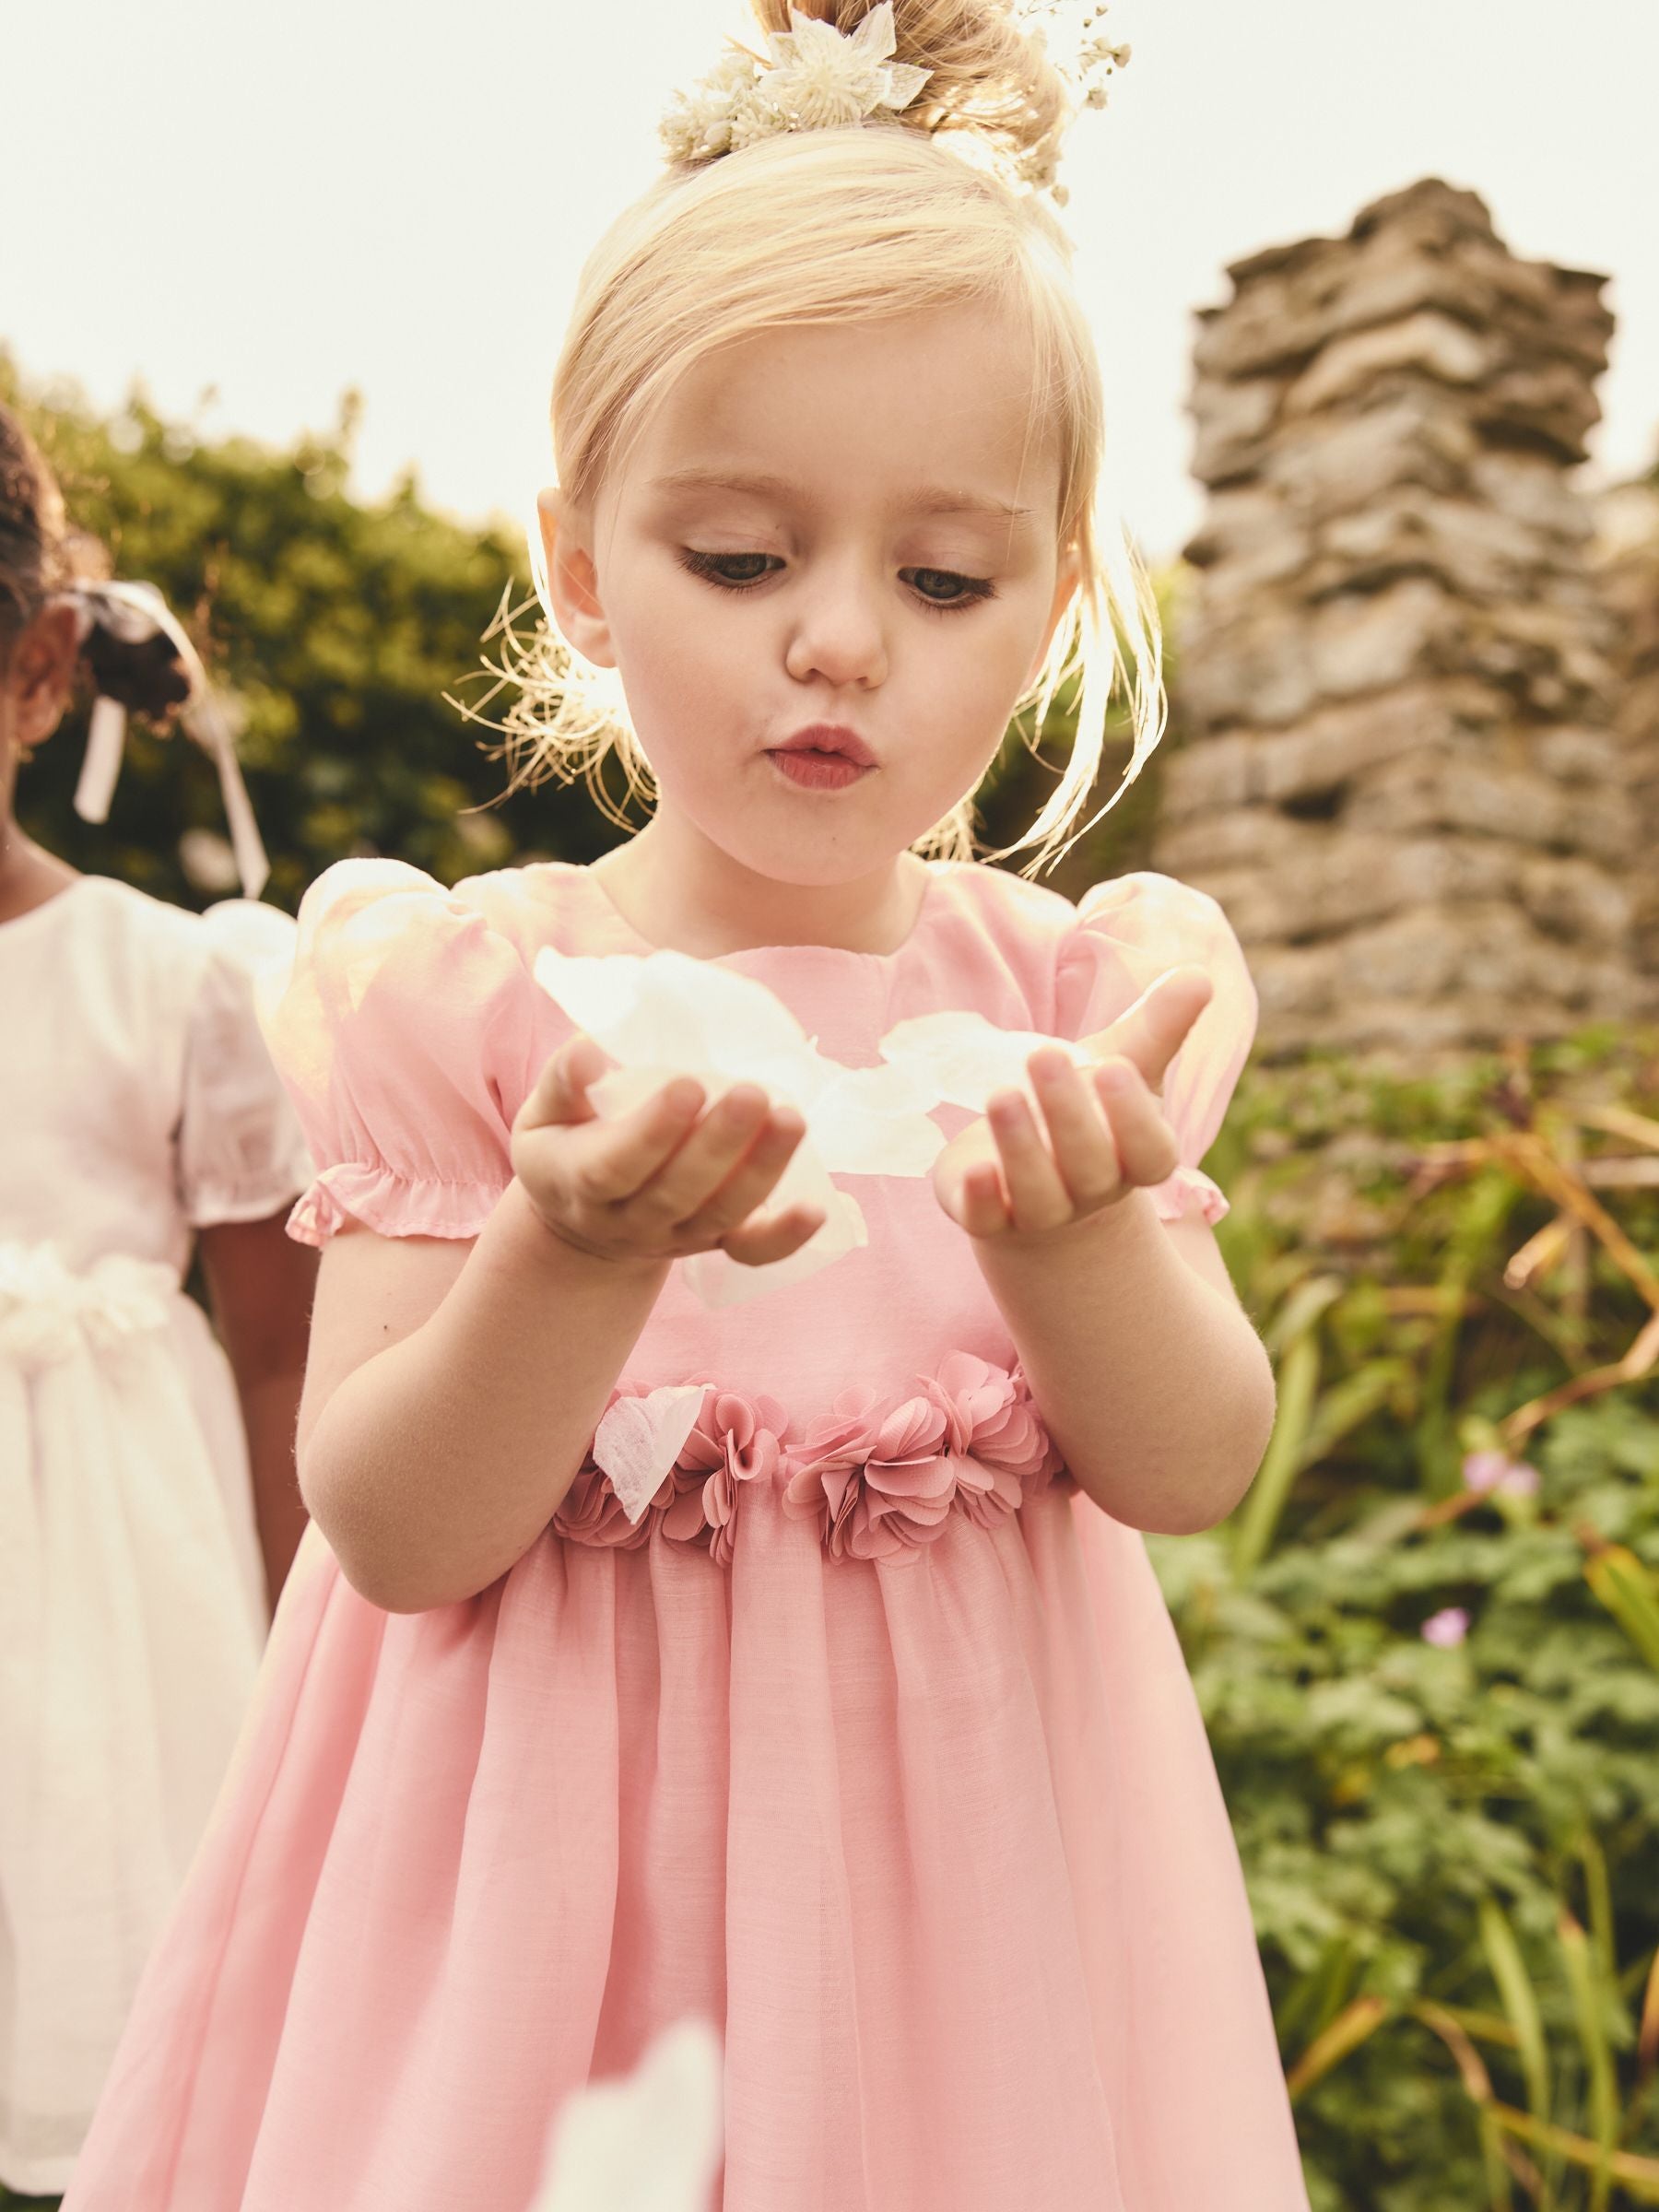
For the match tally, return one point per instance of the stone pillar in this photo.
(1399, 773)
(1630, 547)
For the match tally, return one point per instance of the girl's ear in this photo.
(1065, 584)
(40, 674)
(572, 578)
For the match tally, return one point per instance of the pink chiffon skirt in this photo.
(937, 1844)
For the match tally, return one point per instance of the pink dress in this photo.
(872, 1742)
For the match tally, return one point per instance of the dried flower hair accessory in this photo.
(816, 78)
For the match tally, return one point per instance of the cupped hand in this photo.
(665, 1181)
(1103, 1132)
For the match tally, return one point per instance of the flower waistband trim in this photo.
(880, 1478)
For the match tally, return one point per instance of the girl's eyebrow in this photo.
(926, 501)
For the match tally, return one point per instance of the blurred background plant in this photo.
(1427, 1645)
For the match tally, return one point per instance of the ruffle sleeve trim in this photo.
(391, 1204)
(1187, 1193)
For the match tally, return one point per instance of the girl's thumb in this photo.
(561, 1089)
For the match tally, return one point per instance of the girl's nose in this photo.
(838, 635)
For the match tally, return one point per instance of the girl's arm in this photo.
(260, 1282)
(454, 1388)
(1150, 1378)
(450, 1395)
(1148, 1374)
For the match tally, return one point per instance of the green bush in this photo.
(1452, 1844)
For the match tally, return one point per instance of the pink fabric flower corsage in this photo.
(735, 1441)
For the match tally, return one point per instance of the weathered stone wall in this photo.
(1629, 548)
(1401, 776)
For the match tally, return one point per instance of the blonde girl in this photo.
(789, 1660)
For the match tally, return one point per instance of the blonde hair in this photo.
(830, 227)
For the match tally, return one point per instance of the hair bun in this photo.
(986, 72)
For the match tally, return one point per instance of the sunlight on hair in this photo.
(830, 227)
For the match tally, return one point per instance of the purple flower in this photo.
(1484, 1470)
(1487, 1471)
(1446, 1628)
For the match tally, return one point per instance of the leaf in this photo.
(1638, 2176)
(1345, 2033)
(1598, 2058)
(1647, 2039)
(1629, 1592)
(1520, 2001)
(1258, 1516)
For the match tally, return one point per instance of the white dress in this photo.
(137, 1105)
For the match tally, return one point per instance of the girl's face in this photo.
(842, 526)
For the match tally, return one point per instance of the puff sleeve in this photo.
(241, 1154)
(407, 1038)
(1126, 934)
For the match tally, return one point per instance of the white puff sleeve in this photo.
(241, 1154)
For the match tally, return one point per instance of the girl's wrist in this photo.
(1110, 1229)
(542, 1246)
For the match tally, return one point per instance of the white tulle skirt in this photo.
(132, 1618)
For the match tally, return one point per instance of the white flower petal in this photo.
(904, 80)
(649, 2141)
(637, 1440)
(875, 34)
(966, 1057)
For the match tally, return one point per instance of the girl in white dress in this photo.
(148, 1508)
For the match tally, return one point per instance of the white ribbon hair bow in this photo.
(137, 610)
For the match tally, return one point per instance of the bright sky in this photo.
(265, 204)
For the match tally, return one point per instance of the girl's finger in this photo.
(1079, 1136)
(682, 1188)
(624, 1155)
(1038, 1199)
(983, 1206)
(1158, 1024)
(1145, 1144)
(750, 1184)
(758, 1241)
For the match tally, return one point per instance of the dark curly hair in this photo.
(128, 659)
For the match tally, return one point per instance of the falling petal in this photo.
(649, 2142)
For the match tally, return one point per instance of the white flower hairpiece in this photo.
(816, 78)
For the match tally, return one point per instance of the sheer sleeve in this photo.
(1127, 933)
(241, 1153)
(406, 1037)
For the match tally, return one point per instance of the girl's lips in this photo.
(817, 771)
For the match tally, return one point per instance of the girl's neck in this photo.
(29, 875)
(682, 895)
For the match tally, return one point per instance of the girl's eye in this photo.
(939, 588)
(718, 568)
(944, 588)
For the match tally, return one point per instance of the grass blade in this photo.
(1598, 2058)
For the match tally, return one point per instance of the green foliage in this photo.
(337, 625)
(1429, 1831)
